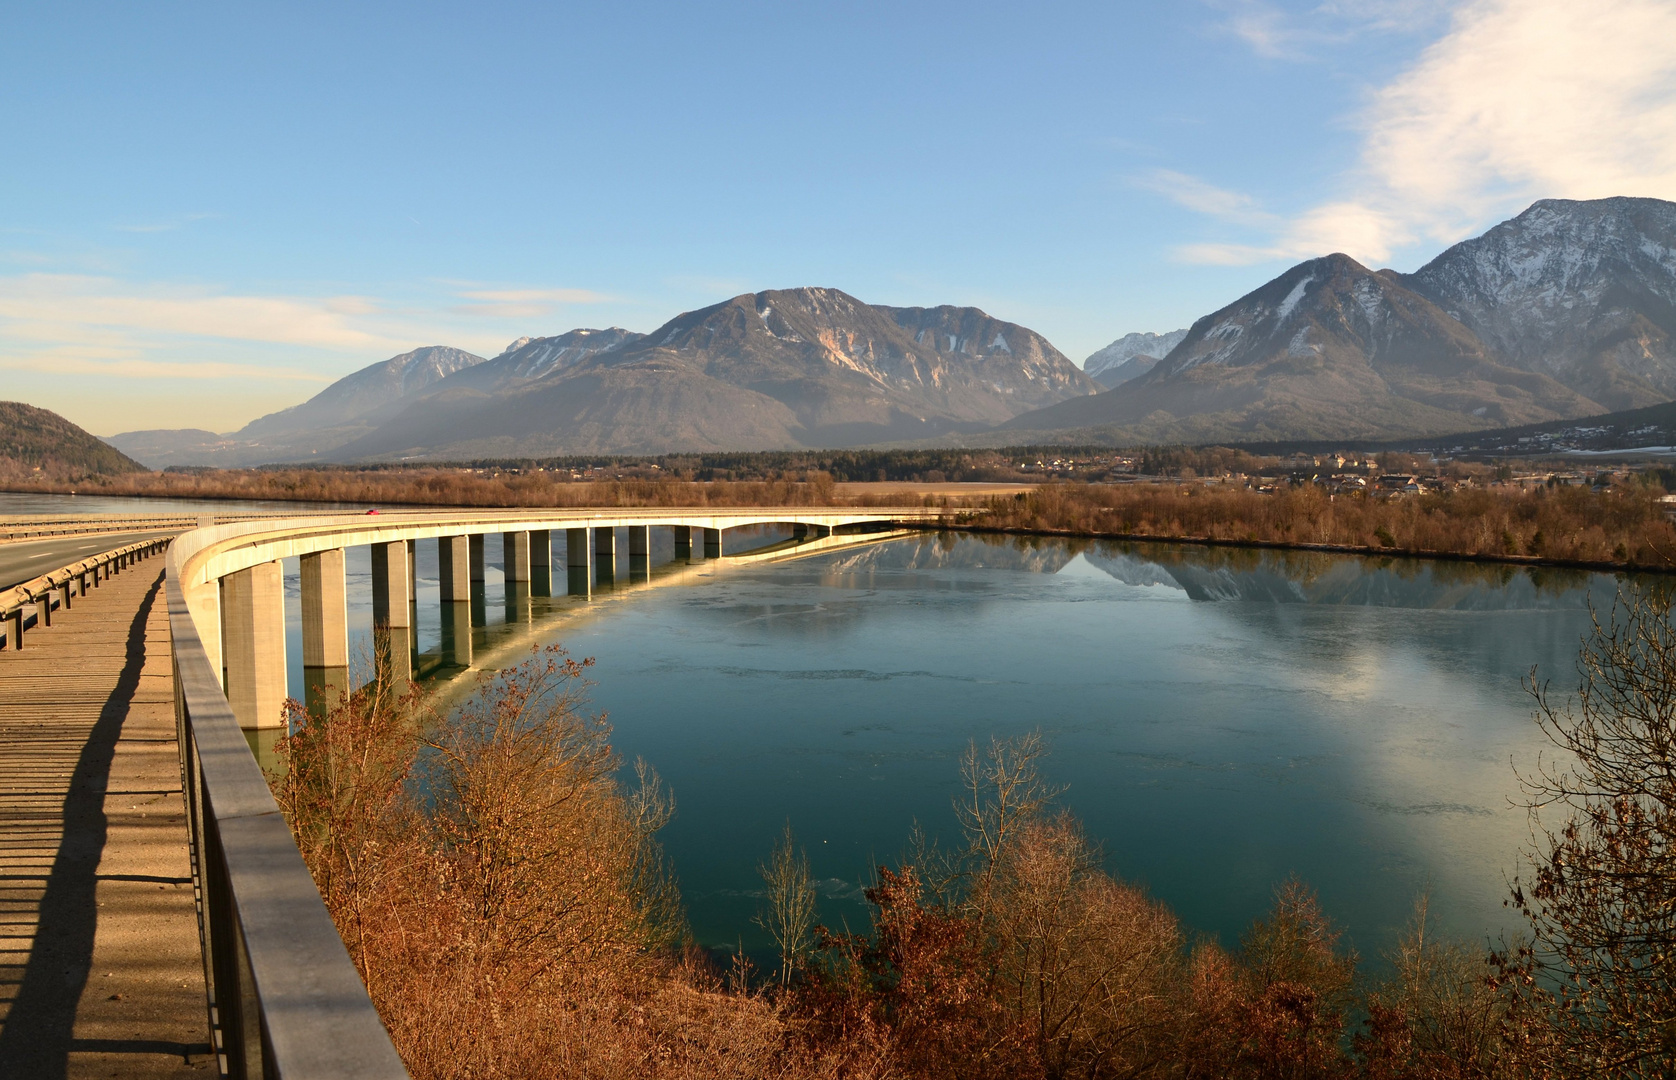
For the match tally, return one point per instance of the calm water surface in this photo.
(1221, 720)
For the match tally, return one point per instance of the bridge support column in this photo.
(578, 563)
(456, 633)
(640, 552)
(325, 610)
(605, 555)
(683, 542)
(392, 611)
(541, 562)
(799, 531)
(515, 556)
(452, 555)
(390, 583)
(712, 543)
(478, 571)
(253, 644)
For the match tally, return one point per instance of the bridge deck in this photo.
(100, 968)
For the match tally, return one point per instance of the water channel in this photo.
(1221, 719)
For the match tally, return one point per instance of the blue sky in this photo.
(209, 211)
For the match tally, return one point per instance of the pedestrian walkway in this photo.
(100, 968)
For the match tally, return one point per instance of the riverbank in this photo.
(1618, 527)
(1614, 529)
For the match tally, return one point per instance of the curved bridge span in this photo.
(285, 998)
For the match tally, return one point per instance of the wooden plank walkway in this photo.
(100, 968)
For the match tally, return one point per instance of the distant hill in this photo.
(1330, 349)
(1563, 312)
(345, 410)
(1130, 356)
(777, 369)
(38, 444)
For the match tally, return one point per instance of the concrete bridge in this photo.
(284, 998)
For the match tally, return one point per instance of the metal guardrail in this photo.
(286, 1002)
(33, 602)
(38, 528)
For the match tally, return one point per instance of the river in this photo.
(1221, 720)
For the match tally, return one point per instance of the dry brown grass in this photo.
(504, 896)
(1622, 526)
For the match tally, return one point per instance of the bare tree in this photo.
(1601, 895)
(790, 915)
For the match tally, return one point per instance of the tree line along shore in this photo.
(1606, 520)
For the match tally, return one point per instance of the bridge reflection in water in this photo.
(237, 581)
(285, 998)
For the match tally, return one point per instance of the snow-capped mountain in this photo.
(368, 395)
(1130, 356)
(1329, 349)
(782, 368)
(345, 410)
(531, 358)
(1582, 291)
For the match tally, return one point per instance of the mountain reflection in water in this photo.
(1222, 718)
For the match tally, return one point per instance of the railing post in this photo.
(14, 629)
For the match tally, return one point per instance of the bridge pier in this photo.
(325, 609)
(452, 554)
(578, 563)
(515, 562)
(253, 644)
(683, 542)
(390, 583)
(605, 555)
(541, 562)
(640, 552)
(712, 543)
(479, 572)
(456, 633)
(515, 556)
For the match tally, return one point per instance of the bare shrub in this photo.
(1601, 897)
(790, 915)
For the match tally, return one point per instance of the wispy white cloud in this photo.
(1276, 33)
(521, 303)
(1205, 198)
(66, 306)
(166, 225)
(67, 362)
(1519, 100)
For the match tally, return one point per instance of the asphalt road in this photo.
(25, 559)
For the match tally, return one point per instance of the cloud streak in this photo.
(1276, 34)
(1519, 100)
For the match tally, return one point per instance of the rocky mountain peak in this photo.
(1584, 291)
